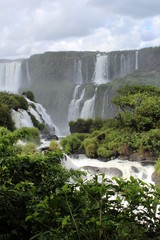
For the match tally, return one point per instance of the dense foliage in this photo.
(39, 199)
(10, 101)
(134, 131)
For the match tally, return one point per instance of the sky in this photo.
(29, 27)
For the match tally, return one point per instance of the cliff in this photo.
(80, 84)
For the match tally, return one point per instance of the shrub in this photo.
(54, 146)
(91, 150)
(29, 148)
(6, 117)
(28, 134)
(29, 95)
(102, 152)
(71, 144)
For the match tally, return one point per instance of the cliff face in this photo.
(80, 84)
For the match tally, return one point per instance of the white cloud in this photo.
(35, 26)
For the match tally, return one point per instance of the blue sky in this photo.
(35, 26)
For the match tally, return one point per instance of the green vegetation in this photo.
(8, 102)
(29, 95)
(14, 101)
(134, 131)
(39, 199)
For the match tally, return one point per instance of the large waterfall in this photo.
(10, 76)
(78, 72)
(52, 75)
(88, 107)
(101, 70)
(136, 62)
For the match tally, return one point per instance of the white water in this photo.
(78, 79)
(72, 113)
(74, 107)
(101, 70)
(21, 118)
(43, 115)
(105, 103)
(88, 108)
(28, 74)
(127, 168)
(10, 73)
(136, 62)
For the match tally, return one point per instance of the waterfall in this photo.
(72, 106)
(88, 108)
(136, 60)
(74, 111)
(42, 116)
(10, 74)
(105, 103)
(21, 118)
(78, 79)
(122, 65)
(28, 74)
(101, 69)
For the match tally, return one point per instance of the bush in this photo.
(6, 117)
(91, 150)
(28, 134)
(104, 153)
(71, 144)
(29, 95)
(54, 146)
(29, 148)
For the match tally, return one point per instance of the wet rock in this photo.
(123, 157)
(136, 157)
(110, 172)
(91, 169)
(42, 149)
(134, 169)
(114, 172)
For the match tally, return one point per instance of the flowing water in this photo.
(21, 118)
(119, 168)
(136, 62)
(10, 76)
(101, 70)
(88, 107)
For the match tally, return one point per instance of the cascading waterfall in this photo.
(43, 115)
(10, 76)
(105, 103)
(88, 108)
(28, 73)
(123, 66)
(21, 118)
(78, 72)
(136, 62)
(74, 111)
(101, 69)
(72, 114)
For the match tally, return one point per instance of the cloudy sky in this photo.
(35, 26)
